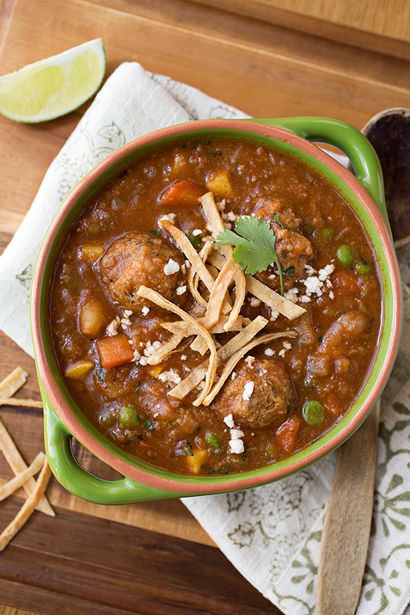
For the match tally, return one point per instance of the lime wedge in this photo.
(54, 86)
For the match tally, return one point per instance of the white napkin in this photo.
(272, 533)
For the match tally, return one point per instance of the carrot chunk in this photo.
(287, 434)
(114, 350)
(183, 193)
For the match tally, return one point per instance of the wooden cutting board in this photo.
(262, 66)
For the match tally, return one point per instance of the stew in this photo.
(216, 307)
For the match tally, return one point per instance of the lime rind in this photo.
(55, 86)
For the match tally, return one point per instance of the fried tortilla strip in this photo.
(197, 375)
(218, 292)
(268, 296)
(193, 277)
(28, 507)
(192, 255)
(216, 226)
(230, 365)
(152, 295)
(181, 326)
(13, 382)
(17, 464)
(165, 349)
(20, 479)
(24, 403)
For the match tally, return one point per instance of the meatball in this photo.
(135, 260)
(270, 400)
(293, 248)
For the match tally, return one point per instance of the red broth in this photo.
(300, 386)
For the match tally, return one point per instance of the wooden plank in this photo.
(9, 610)
(371, 25)
(97, 566)
(259, 68)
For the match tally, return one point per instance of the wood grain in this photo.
(371, 25)
(129, 570)
(346, 531)
(264, 66)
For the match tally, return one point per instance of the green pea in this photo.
(212, 439)
(327, 234)
(313, 412)
(128, 417)
(363, 267)
(345, 255)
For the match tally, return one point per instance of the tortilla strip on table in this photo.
(13, 382)
(152, 295)
(17, 401)
(192, 255)
(268, 296)
(18, 481)
(17, 464)
(233, 360)
(197, 375)
(27, 508)
(216, 226)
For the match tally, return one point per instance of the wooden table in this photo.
(288, 60)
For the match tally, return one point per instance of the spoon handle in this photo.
(348, 519)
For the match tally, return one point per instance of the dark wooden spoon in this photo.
(348, 518)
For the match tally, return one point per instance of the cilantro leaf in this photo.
(254, 243)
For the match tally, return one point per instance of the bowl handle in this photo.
(351, 141)
(80, 482)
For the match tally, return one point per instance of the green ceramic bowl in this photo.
(63, 418)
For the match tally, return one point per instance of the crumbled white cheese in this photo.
(183, 357)
(248, 390)
(255, 302)
(310, 270)
(143, 361)
(231, 216)
(145, 310)
(269, 352)
(282, 352)
(287, 345)
(274, 314)
(305, 299)
(233, 375)
(313, 286)
(236, 446)
(181, 290)
(236, 434)
(326, 272)
(171, 267)
(250, 361)
(196, 232)
(292, 294)
(136, 356)
(156, 344)
(272, 276)
(331, 295)
(228, 420)
(127, 313)
(170, 376)
(221, 204)
(112, 328)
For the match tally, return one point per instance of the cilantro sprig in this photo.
(254, 243)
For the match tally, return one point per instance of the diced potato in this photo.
(218, 183)
(78, 370)
(92, 317)
(197, 460)
(155, 370)
(90, 252)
